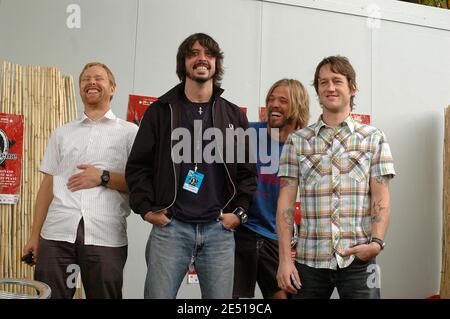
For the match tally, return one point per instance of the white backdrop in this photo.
(399, 50)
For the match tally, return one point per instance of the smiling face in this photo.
(200, 64)
(278, 107)
(334, 91)
(95, 87)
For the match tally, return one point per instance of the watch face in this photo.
(105, 178)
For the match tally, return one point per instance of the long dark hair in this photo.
(207, 42)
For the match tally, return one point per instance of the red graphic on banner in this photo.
(137, 105)
(298, 213)
(11, 142)
(294, 240)
(362, 118)
(262, 114)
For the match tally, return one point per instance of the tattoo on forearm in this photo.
(377, 209)
(287, 182)
(288, 215)
(382, 180)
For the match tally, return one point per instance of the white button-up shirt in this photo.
(105, 144)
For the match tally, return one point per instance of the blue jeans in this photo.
(170, 250)
(360, 280)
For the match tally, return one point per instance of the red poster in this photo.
(298, 213)
(362, 118)
(137, 105)
(262, 114)
(11, 141)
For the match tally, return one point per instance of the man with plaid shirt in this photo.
(342, 169)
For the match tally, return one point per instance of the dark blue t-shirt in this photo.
(205, 206)
(262, 212)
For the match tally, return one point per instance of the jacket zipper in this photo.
(225, 164)
(173, 164)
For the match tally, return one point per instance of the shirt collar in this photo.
(348, 121)
(108, 115)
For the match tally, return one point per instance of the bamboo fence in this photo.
(445, 273)
(46, 99)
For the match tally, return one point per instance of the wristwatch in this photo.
(379, 242)
(240, 212)
(104, 178)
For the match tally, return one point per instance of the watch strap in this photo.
(240, 212)
(378, 241)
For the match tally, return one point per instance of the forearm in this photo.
(285, 220)
(285, 217)
(43, 200)
(380, 206)
(117, 182)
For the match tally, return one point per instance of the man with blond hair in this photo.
(82, 203)
(256, 261)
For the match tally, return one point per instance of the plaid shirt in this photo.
(334, 167)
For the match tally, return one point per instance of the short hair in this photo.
(112, 80)
(298, 101)
(341, 65)
(185, 49)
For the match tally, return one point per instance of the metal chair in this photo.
(43, 290)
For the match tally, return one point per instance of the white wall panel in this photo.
(402, 70)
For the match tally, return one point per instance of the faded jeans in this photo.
(170, 250)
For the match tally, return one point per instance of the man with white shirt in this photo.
(82, 203)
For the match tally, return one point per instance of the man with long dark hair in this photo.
(192, 222)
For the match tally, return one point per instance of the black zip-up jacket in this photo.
(152, 176)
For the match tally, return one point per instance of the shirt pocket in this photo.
(311, 168)
(359, 165)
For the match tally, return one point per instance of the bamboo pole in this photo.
(24, 182)
(2, 223)
(13, 232)
(445, 273)
(27, 107)
(45, 99)
(8, 88)
(2, 83)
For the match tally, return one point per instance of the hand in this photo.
(230, 220)
(363, 252)
(284, 277)
(32, 246)
(157, 218)
(90, 177)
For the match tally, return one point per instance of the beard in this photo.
(278, 122)
(199, 79)
(202, 78)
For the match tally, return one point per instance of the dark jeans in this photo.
(101, 267)
(256, 260)
(360, 280)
